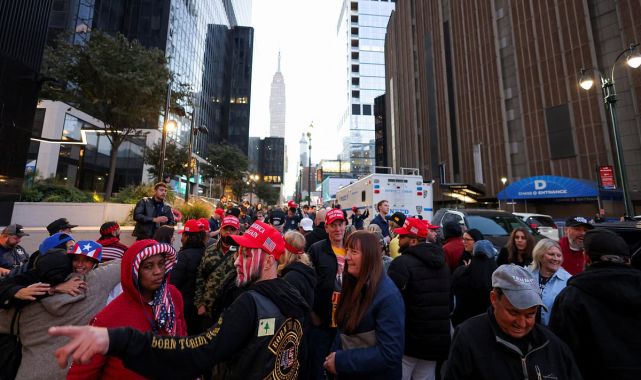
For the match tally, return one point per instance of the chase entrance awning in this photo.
(549, 187)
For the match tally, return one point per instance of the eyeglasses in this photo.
(468, 239)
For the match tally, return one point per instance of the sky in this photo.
(312, 63)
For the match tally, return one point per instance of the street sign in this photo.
(606, 177)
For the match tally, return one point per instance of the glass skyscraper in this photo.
(361, 32)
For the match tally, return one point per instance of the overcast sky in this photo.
(312, 64)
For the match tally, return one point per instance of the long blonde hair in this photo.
(297, 241)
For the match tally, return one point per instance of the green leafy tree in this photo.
(117, 81)
(266, 192)
(226, 164)
(239, 187)
(175, 159)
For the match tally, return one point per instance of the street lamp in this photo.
(309, 169)
(503, 181)
(168, 126)
(633, 59)
(253, 178)
(193, 131)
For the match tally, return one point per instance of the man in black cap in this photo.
(12, 255)
(598, 314)
(506, 342)
(572, 244)
(60, 225)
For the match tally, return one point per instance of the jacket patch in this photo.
(284, 345)
(266, 327)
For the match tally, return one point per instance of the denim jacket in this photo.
(552, 289)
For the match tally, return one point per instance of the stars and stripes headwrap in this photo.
(162, 305)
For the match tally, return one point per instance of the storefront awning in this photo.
(549, 187)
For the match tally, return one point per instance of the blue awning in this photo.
(549, 187)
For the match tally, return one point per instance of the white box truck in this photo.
(406, 193)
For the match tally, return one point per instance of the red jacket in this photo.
(453, 249)
(129, 310)
(573, 261)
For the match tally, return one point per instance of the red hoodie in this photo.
(573, 261)
(126, 310)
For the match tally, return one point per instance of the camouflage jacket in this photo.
(213, 271)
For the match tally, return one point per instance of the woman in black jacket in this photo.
(183, 276)
(472, 283)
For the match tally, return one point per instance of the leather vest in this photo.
(272, 353)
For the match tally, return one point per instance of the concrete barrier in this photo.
(38, 214)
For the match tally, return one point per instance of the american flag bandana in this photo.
(162, 305)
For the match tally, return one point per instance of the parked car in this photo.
(495, 225)
(543, 223)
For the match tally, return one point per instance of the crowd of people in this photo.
(312, 293)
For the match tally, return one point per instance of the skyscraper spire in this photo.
(278, 62)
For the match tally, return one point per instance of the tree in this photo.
(176, 157)
(266, 192)
(119, 82)
(226, 164)
(239, 187)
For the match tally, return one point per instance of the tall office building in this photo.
(23, 33)
(277, 106)
(361, 33)
(209, 47)
(302, 144)
(483, 91)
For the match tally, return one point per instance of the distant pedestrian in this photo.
(598, 314)
(574, 259)
(318, 232)
(164, 234)
(112, 248)
(12, 254)
(470, 237)
(152, 212)
(382, 208)
(293, 217)
(357, 218)
(60, 225)
(396, 221)
(518, 249)
(506, 342)
(305, 226)
(453, 245)
(214, 222)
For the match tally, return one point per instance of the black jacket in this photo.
(424, 281)
(471, 286)
(232, 341)
(325, 264)
(183, 277)
(303, 278)
(480, 351)
(144, 212)
(598, 315)
(317, 234)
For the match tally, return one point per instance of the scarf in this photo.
(106, 242)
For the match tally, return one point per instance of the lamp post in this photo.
(163, 143)
(309, 168)
(503, 181)
(608, 91)
(253, 178)
(193, 131)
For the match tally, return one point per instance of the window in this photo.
(355, 68)
(356, 81)
(560, 132)
(367, 109)
(363, 197)
(356, 94)
(356, 109)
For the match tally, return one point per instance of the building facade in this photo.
(23, 34)
(361, 33)
(277, 104)
(477, 92)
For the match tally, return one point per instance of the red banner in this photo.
(606, 177)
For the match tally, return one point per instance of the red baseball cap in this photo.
(263, 236)
(220, 212)
(432, 226)
(193, 225)
(205, 222)
(292, 204)
(231, 221)
(334, 215)
(413, 227)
